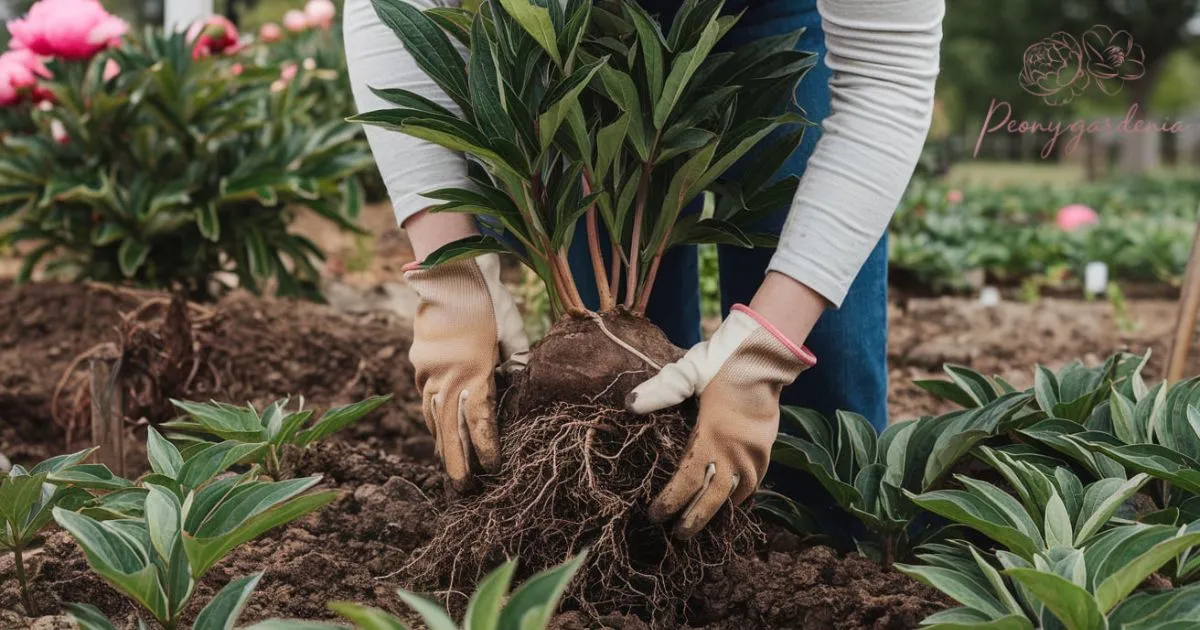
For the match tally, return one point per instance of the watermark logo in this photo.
(1061, 67)
(1058, 68)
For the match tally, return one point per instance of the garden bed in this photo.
(258, 349)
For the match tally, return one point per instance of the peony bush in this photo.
(167, 160)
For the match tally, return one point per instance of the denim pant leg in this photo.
(850, 343)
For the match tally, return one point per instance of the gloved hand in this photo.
(738, 375)
(466, 323)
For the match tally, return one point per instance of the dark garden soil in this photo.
(357, 548)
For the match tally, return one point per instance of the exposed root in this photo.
(581, 477)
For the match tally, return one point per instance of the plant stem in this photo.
(631, 283)
(607, 303)
(18, 557)
(889, 551)
(648, 285)
(614, 278)
(575, 304)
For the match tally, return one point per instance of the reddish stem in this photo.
(648, 286)
(614, 278)
(607, 303)
(631, 282)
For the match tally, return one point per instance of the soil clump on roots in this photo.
(579, 473)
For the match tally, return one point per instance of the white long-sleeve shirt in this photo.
(883, 55)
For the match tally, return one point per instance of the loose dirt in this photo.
(393, 490)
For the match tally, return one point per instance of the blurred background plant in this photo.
(172, 160)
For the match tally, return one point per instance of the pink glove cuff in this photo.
(803, 353)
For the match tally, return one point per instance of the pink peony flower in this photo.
(1075, 216)
(112, 70)
(289, 71)
(954, 196)
(320, 13)
(237, 69)
(212, 36)
(295, 21)
(270, 33)
(19, 72)
(278, 85)
(71, 29)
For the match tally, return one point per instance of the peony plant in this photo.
(270, 432)
(167, 161)
(28, 498)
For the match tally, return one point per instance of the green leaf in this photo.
(91, 476)
(1011, 622)
(487, 98)
(1098, 509)
(959, 586)
(214, 460)
(815, 460)
(429, 46)
(229, 525)
(988, 515)
(682, 69)
(164, 457)
(118, 558)
(562, 98)
(1045, 386)
(431, 613)
(1072, 605)
(131, 255)
(536, 21)
(1133, 571)
(1124, 424)
(208, 221)
(483, 611)
(469, 247)
(223, 611)
(297, 624)
(608, 145)
(650, 43)
(365, 617)
(89, 617)
(947, 390)
(163, 519)
(532, 605)
(339, 418)
(1057, 525)
(225, 421)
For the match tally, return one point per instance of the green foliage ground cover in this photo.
(941, 233)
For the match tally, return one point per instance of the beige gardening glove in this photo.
(466, 324)
(738, 375)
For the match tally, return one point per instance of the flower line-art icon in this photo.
(1113, 58)
(1058, 68)
(1055, 69)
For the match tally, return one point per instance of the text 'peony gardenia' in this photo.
(70, 29)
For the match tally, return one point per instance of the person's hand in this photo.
(466, 324)
(738, 375)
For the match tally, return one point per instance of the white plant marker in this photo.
(989, 296)
(179, 14)
(1095, 278)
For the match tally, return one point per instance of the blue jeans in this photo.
(850, 343)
